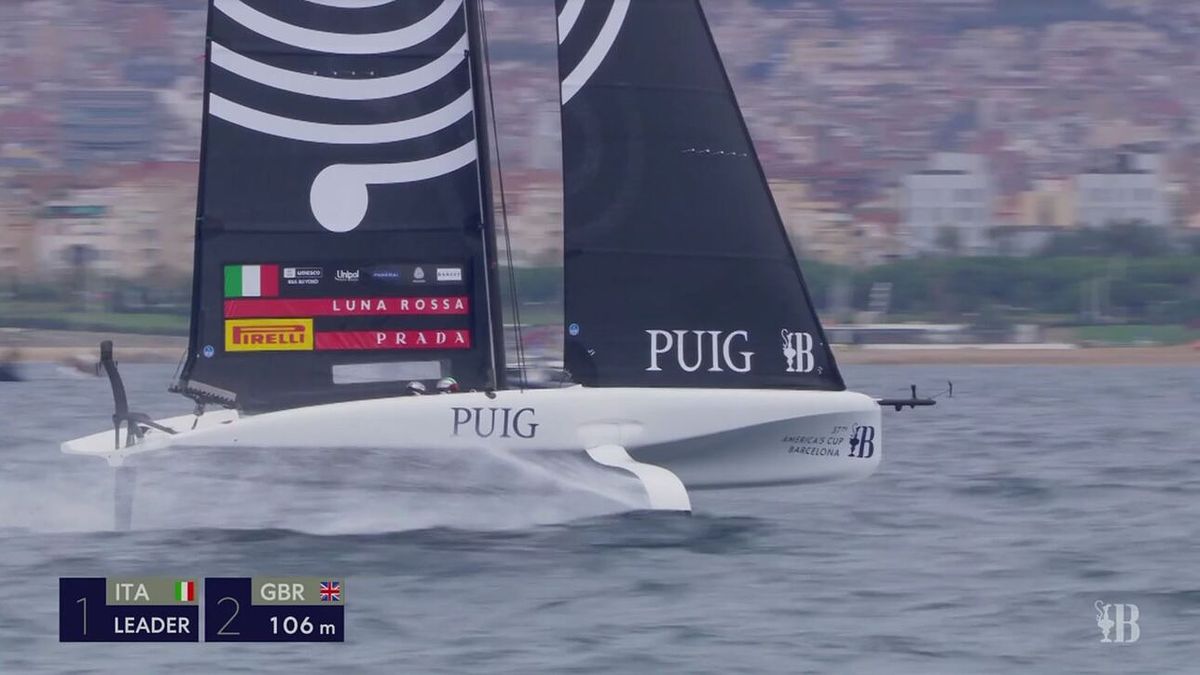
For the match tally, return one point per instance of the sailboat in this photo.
(346, 284)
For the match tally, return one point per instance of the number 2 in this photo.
(236, 608)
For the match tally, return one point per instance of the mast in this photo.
(193, 348)
(480, 85)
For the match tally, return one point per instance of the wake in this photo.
(325, 492)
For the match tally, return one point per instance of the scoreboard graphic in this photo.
(168, 609)
(274, 609)
(148, 609)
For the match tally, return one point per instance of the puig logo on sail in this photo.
(717, 351)
(713, 350)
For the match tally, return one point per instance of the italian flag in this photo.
(251, 281)
(185, 591)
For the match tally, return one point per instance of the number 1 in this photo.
(84, 602)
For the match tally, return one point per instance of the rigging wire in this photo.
(512, 274)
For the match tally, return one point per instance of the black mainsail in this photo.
(678, 272)
(344, 239)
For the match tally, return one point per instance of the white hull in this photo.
(703, 438)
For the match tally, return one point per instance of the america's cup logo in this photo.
(798, 351)
(1104, 623)
(1125, 620)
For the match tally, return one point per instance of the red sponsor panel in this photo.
(246, 308)
(393, 339)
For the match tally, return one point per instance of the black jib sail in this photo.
(678, 270)
(344, 223)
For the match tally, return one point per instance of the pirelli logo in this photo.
(269, 335)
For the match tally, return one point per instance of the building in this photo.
(140, 228)
(1130, 190)
(73, 232)
(156, 210)
(102, 126)
(17, 239)
(947, 208)
(818, 229)
(1049, 203)
(535, 217)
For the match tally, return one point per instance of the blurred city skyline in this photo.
(889, 128)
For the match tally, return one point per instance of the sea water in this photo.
(995, 523)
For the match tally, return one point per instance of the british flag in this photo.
(331, 591)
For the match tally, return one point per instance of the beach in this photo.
(32, 345)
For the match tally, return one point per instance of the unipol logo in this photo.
(798, 352)
(692, 350)
(340, 196)
(1124, 619)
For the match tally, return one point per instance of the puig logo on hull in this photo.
(495, 422)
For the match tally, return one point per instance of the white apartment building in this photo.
(1131, 190)
(114, 232)
(947, 208)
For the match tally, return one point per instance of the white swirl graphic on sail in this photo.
(351, 4)
(339, 196)
(340, 43)
(340, 134)
(339, 88)
(566, 20)
(595, 55)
